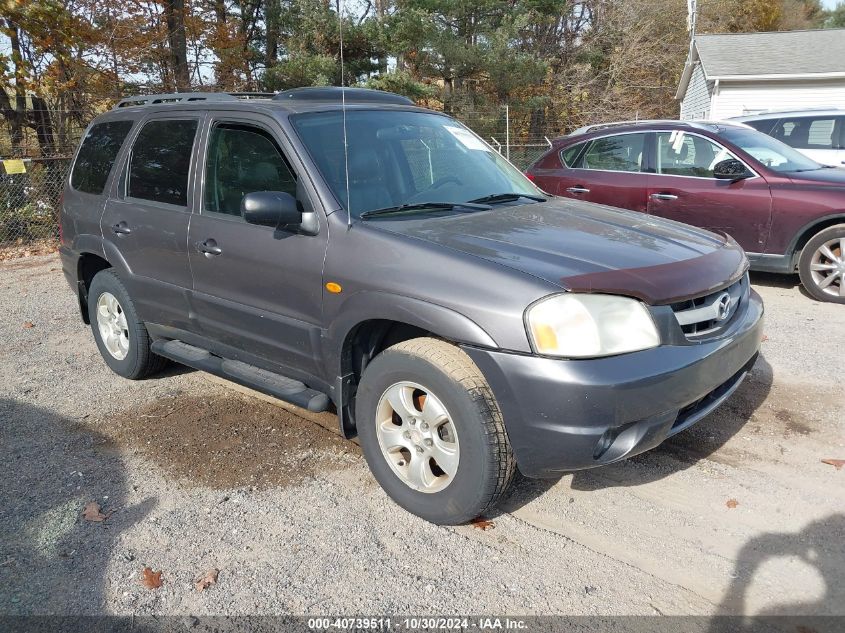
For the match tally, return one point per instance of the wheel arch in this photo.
(371, 322)
(806, 233)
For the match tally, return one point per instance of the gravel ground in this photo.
(195, 475)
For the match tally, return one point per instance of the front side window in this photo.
(242, 159)
(806, 132)
(161, 159)
(97, 155)
(401, 157)
(623, 152)
(682, 154)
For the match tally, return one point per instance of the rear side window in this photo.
(570, 154)
(806, 132)
(161, 159)
(615, 153)
(97, 154)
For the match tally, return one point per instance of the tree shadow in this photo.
(52, 561)
(820, 545)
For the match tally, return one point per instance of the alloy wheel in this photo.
(417, 437)
(111, 322)
(827, 267)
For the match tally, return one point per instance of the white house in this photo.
(732, 74)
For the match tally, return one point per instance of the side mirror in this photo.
(270, 208)
(731, 169)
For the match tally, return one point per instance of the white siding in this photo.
(736, 98)
(696, 101)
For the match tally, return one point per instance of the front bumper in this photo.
(564, 415)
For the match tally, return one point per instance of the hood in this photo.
(586, 247)
(830, 176)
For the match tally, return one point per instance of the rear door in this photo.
(607, 170)
(683, 189)
(256, 288)
(146, 223)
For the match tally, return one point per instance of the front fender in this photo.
(368, 305)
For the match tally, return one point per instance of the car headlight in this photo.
(590, 325)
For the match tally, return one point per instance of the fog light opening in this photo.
(605, 442)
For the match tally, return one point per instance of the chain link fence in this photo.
(30, 198)
(31, 186)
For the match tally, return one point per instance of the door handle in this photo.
(577, 189)
(209, 247)
(664, 196)
(121, 228)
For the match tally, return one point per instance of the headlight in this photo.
(585, 325)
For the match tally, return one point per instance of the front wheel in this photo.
(432, 431)
(822, 265)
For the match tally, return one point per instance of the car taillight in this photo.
(530, 176)
(61, 209)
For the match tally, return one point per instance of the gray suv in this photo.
(364, 256)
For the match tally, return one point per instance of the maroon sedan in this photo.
(784, 209)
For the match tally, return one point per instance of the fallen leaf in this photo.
(92, 512)
(150, 579)
(482, 524)
(28, 325)
(204, 581)
(836, 463)
(732, 503)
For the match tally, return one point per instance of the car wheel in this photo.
(120, 335)
(432, 431)
(822, 265)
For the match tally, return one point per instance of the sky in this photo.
(829, 4)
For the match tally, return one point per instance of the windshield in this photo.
(405, 158)
(769, 151)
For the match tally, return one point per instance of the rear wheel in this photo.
(822, 265)
(120, 335)
(432, 432)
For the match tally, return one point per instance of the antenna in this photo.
(343, 110)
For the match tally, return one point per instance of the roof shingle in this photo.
(779, 53)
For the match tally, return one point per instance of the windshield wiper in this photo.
(419, 207)
(508, 197)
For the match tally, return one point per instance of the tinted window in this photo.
(97, 154)
(568, 155)
(682, 154)
(615, 153)
(242, 159)
(161, 159)
(806, 132)
(764, 126)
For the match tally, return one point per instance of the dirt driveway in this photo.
(737, 515)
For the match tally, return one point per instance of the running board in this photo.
(272, 384)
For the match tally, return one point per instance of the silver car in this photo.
(817, 133)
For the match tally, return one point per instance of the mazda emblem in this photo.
(723, 306)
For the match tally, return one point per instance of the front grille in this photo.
(706, 316)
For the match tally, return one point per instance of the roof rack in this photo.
(186, 97)
(334, 93)
(599, 126)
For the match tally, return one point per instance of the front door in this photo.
(256, 288)
(683, 188)
(146, 223)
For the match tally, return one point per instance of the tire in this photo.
(822, 265)
(477, 461)
(128, 355)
